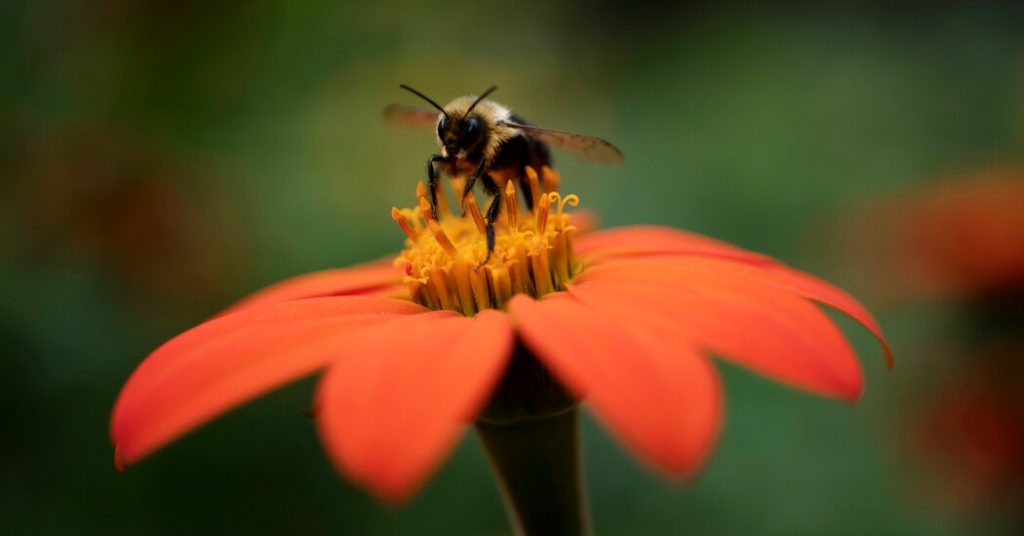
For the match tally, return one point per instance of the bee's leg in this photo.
(468, 190)
(492, 214)
(526, 188)
(433, 181)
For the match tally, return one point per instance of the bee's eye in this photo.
(442, 126)
(472, 128)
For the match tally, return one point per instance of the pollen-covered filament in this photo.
(444, 257)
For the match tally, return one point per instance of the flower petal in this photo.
(642, 240)
(776, 274)
(815, 289)
(231, 359)
(663, 400)
(757, 324)
(391, 409)
(367, 278)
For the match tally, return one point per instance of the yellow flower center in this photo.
(444, 257)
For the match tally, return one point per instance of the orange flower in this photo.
(960, 238)
(412, 350)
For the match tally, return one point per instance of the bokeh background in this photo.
(161, 159)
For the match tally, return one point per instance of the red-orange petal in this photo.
(394, 405)
(768, 329)
(362, 279)
(815, 289)
(644, 240)
(782, 276)
(231, 359)
(663, 400)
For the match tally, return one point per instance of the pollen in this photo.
(444, 256)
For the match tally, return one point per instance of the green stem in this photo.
(530, 431)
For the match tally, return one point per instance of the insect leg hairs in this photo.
(467, 190)
(433, 181)
(492, 213)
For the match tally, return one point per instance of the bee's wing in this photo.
(586, 147)
(411, 116)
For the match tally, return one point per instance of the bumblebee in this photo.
(484, 140)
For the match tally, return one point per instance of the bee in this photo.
(485, 140)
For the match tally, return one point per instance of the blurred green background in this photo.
(162, 159)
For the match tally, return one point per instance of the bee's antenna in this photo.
(481, 97)
(424, 97)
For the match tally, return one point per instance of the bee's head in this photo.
(460, 133)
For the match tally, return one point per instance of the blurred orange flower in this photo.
(98, 196)
(413, 349)
(961, 238)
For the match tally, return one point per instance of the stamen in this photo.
(421, 190)
(416, 292)
(403, 222)
(518, 276)
(556, 198)
(561, 258)
(413, 217)
(543, 206)
(519, 267)
(442, 238)
(572, 200)
(531, 256)
(428, 215)
(437, 277)
(430, 293)
(541, 273)
(481, 293)
(474, 212)
(560, 202)
(534, 182)
(500, 284)
(511, 204)
(463, 287)
(551, 179)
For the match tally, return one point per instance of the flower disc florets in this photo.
(444, 256)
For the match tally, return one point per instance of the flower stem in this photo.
(530, 431)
